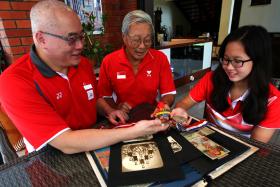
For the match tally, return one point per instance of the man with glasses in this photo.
(136, 73)
(50, 93)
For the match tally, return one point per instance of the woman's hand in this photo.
(180, 112)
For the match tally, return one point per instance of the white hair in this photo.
(43, 14)
(136, 16)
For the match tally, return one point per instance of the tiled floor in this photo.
(196, 111)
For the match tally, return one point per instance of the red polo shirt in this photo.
(43, 104)
(154, 76)
(232, 118)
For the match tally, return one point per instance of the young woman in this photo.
(239, 96)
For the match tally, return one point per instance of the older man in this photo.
(50, 92)
(136, 74)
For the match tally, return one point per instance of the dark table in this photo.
(260, 169)
(50, 167)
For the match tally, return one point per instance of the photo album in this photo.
(180, 156)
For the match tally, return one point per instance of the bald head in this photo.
(47, 15)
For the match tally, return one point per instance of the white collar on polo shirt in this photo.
(62, 75)
(241, 98)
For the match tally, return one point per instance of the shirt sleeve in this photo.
(202, 90)
(32, 115)
(166, 79)
(104, 88)
(272, 119)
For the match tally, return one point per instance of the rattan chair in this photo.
(11, 141)
(7, 151)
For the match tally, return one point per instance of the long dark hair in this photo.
(257, 45)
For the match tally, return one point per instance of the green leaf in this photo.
(93, 47)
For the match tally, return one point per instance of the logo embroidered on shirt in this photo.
(121, 75)
(90, 94)
(149, 73)
(58, 95)
(87, 86)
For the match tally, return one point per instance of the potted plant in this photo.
(94, 49)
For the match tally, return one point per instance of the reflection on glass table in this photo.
(183, 67)
(190, 62)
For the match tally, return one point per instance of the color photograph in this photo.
(85, 8)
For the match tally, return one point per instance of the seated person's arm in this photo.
(186, 103)
(269, 125)
(106, 91)
(168, 99)
(109, 112)
(110, 101)
(182, 106)
(125, 107)
(74, 141)
(262, 134)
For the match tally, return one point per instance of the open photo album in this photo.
(171, 158)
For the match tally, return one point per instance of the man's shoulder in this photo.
(116, 52)
(113, 59)
(157, 56)
(21, 66)
(85, 63)
(18, 72)
(157, 53)
(114, 55)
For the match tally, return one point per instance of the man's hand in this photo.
(125, 107)
(148, 127)
(165, 106)
(117, 114)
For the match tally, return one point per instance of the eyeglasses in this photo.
(234, 62)
(136, 41)
(71, 39)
